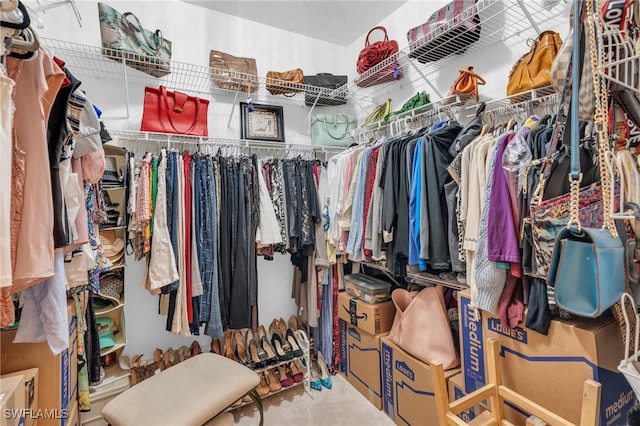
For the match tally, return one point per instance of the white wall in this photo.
(194, 31)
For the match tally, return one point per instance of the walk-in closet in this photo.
(410, 212)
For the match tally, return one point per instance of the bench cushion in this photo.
(189, 393)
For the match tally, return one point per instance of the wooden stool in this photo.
(192, 392)
(497, 394)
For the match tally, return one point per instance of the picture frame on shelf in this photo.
(264, 123)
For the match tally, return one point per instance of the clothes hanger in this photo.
(17, 19)
(484, 130)
(8, 5)
(29, 42)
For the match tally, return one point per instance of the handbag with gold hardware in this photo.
(284, 83)
(533, 70)
(466, 84)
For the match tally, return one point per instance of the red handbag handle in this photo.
(386, 37)
(163, 93)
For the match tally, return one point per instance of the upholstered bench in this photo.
(192, 392)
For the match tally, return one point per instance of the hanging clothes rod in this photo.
(173, 140)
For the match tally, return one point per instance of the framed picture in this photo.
(264, 123)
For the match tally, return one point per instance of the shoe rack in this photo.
(275, 376)
(110, 301)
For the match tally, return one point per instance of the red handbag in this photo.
(373, 54)
(174, 112)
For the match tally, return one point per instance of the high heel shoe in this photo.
(273, 327)
(272, 358)
(261, 332)
(278, 345)
(262, 355)
(314, 383)
(263, 388)
(241, 351)
(255, 360)
(195, 348)
(282, 329)
(215, 346)
(293, 322)
(296, 372)
(325, 379)
(273, 383)
(295, 347)
(229, 351)
(285, 380)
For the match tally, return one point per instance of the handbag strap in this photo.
(176, 108)
(383, 29)
(600, 121)
(560, 124)
(346, 127)
(628, 350)
(157, 35)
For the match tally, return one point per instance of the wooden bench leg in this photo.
(256, 398)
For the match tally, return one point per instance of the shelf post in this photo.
(424, 77)
(126, 85)
(233, 108)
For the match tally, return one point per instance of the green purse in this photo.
(332, 130)
(418, 100)
(379, 113)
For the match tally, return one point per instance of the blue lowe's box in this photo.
(550, 370)
(407, 387)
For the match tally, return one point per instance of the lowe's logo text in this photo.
(515, 333)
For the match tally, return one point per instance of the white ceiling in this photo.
(338, 22)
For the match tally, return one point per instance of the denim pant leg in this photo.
(203, 223)
(214, 327)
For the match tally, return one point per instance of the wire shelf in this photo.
(233, 146)
(621, 62)
(500, 20)
(195, 79)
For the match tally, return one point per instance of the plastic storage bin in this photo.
(369, 289)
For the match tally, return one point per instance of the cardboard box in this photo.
(12, 408)
(550, 370)
(72, 415)
(30, 392)
(456, 391)
(360, 361)
(407, 387)
(57, 375)
(372, 318)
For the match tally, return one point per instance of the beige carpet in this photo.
(340, 405)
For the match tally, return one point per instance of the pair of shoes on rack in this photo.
(272, 381)
(284, 340)
(296, 322)
(279, 327)
(319, 374)
(257, 354)
(264, 346)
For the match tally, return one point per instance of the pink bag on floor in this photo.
(421, 326)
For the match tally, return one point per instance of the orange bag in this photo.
(466, 83)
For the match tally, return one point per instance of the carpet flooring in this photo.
(342, 405)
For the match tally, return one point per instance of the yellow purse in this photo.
(379, 113)
(533, 70)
